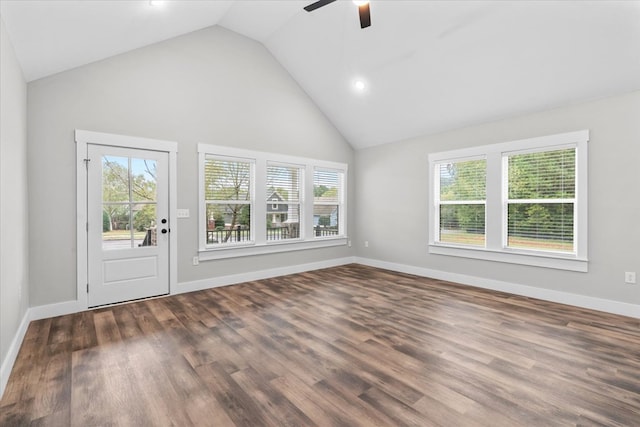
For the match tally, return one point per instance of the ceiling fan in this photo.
(363, 8)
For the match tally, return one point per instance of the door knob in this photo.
(163, 220)
(164, 231)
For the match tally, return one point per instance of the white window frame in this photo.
(341, 201)
(300, 203)
(496, 204)
(251, 202)
(260, 245)
(438, 202)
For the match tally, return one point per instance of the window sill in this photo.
(269, 248)
(551, 260)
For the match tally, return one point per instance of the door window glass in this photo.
(128, 202)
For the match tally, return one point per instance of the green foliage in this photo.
(541, 175)
(244, 215)
(116, 178)
(324, 220)
(118, 215)
(553, 221)
(227, 180)
(463, 180)
(121, 188)
(331, 193)
(106, 221)
(115, 188)
(544, 175)
(472, 218)
(145, 218)
(218, 219)
(319, 190)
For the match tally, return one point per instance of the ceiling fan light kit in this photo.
(363, 10)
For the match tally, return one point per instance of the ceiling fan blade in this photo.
(318, 4)
(365, 15)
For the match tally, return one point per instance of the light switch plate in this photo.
(183, 213)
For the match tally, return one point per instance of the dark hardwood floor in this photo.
(345, 346)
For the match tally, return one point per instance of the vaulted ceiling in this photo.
(426, 66)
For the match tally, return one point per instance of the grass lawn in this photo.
(122, 235)
(464, 238)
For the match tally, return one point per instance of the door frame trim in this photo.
(83, 138)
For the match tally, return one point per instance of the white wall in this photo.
(212, 86)
(14, 278)
(393, 184)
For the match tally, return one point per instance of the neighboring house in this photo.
(276, 209)
(324, 211)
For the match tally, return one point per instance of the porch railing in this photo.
(240, 234)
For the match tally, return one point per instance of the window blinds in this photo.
(462, 199)
(541, 200)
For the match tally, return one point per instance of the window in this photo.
(228, 200)
(541, 200)
(521, 202)
(327, 202)
(129, 202)
(283, 190)
(461, 200)
(254, 203)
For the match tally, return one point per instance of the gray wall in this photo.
(14, 278)
(212, 86)
(393, 184)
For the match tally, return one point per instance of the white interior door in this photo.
(128, 224)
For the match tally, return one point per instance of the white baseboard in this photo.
(32, 313)
(232, 279)
(54, 310)
(599, 304)
(10, 358)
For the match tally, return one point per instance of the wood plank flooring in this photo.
(345, 346)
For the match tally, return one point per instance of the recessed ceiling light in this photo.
(359, 85)
(156, 3)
